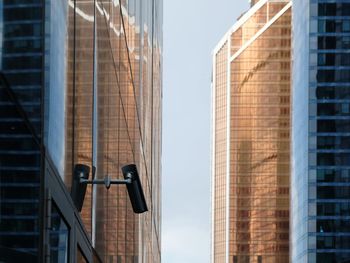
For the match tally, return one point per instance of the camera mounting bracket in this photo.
(107, 181)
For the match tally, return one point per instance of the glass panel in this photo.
(333, 242)
(79, 96)
(335, 75)
(80, 256)
(335, 109)
(333, 26)
(336, 92)
(333, 209)
(333, 257)
(333, 192)
(331, 159)
(333, 42)
(59, 237)
(333, 175)
(332, 59)
(333, 225)
(334, 9)
(333, 142)
(333, 125)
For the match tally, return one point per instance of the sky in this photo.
(192, 28)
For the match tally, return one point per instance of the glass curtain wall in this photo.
(220, 157)
(252, 109)
(101, 65)
(21, 90)
(260, 108)
(321, 99)
(114, 118)
(332, 120)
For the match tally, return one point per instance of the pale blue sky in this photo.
(192, 28)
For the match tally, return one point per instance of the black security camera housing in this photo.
(131, 180)
(78, 190)
(135, 190)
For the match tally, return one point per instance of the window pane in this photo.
(333, 125)
(333, 142)
(337, 92)
(59, 237)
(333, 192)
(80, 256)
(332, 175)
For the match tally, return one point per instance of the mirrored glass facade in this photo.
(320, 168)
(87, 80)
(251, 137)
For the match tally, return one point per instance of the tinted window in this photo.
(329, 242)
(333, 142)
(333, 209)
(330, 159)
(333, 26)
(23, 30)
(21, 46)
(59, 237)
(21, 62)
(332, 175)
(333, 192)
(333, 59)
(333, 257)
(333, 125)
(331, 109)
(336, 92)
(333, 42)
(26, 13)
(334, 9)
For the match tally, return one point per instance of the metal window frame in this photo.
(56, 190)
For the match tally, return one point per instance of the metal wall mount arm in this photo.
(131, 180)
(107, 181)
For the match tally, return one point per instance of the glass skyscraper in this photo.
(21, 129)
(81, 83)
(320, 187)
(251, 137)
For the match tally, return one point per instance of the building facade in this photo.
(81, 83)
(320, 131)
(251, 137)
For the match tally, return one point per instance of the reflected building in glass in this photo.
(320, 192)
(81, 83)
(251, 137)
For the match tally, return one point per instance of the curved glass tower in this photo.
(251, 124)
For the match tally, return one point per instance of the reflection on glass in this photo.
(59, 237)
(80, 256)
(220, 153)
(114, 118)
(251, 166)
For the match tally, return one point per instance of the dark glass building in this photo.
(80, 83)
(21, 129)
(320, 132)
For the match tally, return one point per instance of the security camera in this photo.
(136, 195)
(78, 190)
(131, 180)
